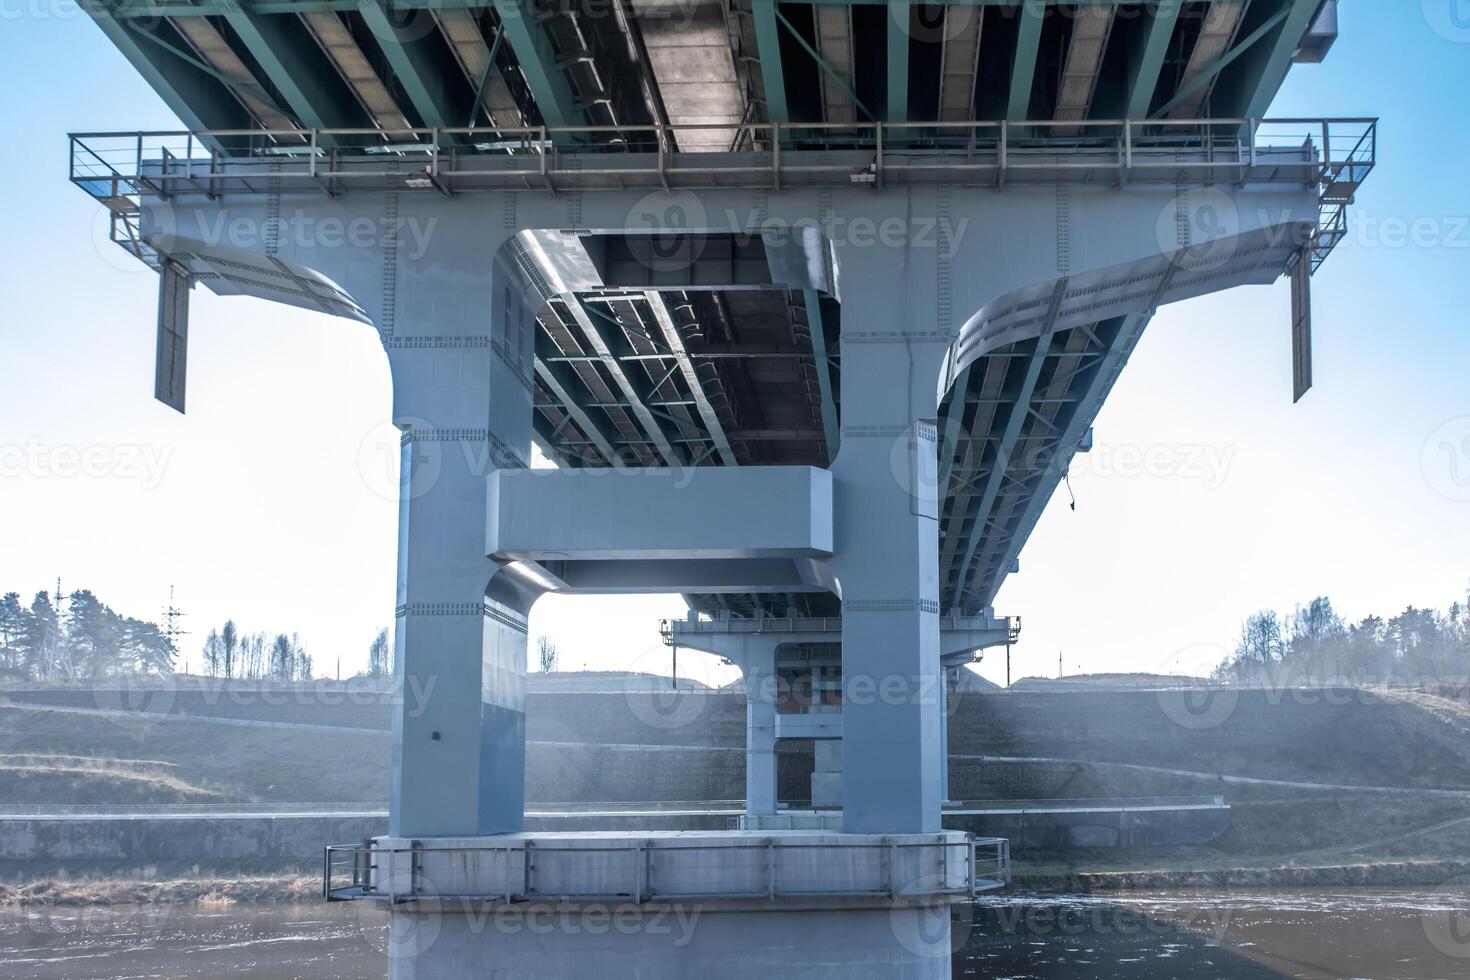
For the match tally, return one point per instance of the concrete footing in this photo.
(670, 904)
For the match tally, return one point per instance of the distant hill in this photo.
(1108, 682)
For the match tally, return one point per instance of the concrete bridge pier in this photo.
(482, 535)
(778, 655)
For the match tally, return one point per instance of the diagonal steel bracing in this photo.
(1012, 431)
(417, 61)
(602, 337)
(675, 342)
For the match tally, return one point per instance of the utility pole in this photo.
(171, 632)
(54, 640)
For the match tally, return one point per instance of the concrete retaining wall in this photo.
(33, 846)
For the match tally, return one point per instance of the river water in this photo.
(1375, 934)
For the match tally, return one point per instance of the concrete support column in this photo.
(886, 552)
(944, 678)
(761, 689)
(462, 399)
(827, 773)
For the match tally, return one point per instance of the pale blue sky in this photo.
(264, 504)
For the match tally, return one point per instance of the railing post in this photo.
(878, 159)
(776, 154)
(638, 869)
(1005, 151)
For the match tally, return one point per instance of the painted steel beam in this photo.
(1187, 92)
(675, 343)
(768, 44)
(217, 57)
(897, 108)
(959, 62)
(608, 349)
(1023, 68)
(461, 29)
(1012, 432)
(172, 8)
(200, 100)
(1091, 29)
(1147, 63)
(351, 62)
(827, 70)
(295, 66)
(419, 66)
(834, 51)
(816, 326)
(531, 45)
(563, 381)
(703, 513)
(1090, 401)
(1275, 61)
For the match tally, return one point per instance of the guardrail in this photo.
(356, 872)
(210, 162)
(1101, 803)
(1332, 155)
(182, 809)
(11, 810)
(673, 628)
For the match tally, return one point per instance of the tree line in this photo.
(39, 642)
(230, 652)
(1315, 644)
(78, 637)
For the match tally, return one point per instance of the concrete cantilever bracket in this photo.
(698, 513)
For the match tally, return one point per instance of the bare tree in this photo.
(380, 656)
(283, 657)
(229, 640)
(213, 653)
(546, 652)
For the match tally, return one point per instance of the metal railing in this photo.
(8, 810)
(672, 629)
(1098, 803)
(214, 162)
(354, 872)
(1334, 156)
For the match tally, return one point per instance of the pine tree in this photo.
(43, 634)
(14, 621)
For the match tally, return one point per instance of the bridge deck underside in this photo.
(754, 364)
(740, 377)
